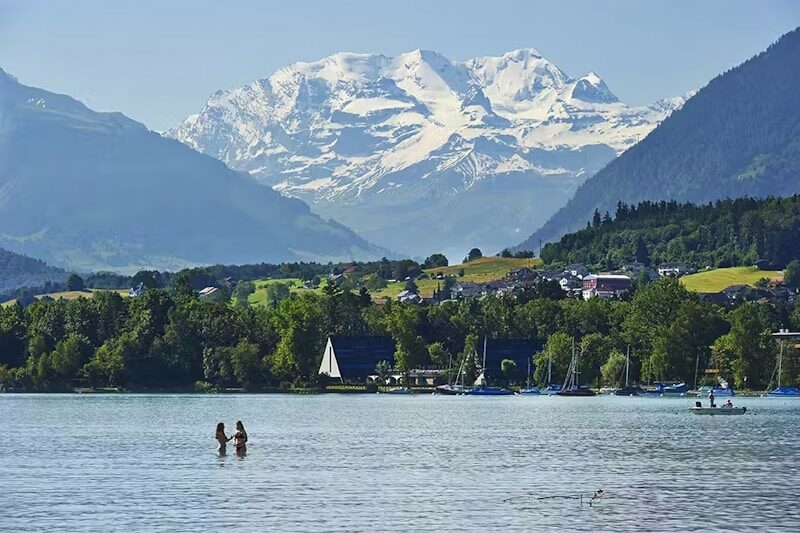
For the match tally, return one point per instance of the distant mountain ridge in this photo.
(738, 136)
(419, 153)
(21, 271)
(98, 191)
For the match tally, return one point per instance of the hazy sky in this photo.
(159, 60)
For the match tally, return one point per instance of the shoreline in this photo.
(345, 389)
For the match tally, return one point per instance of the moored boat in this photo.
(677, 389)
(489, 391)
(451, 390)
(719, 392)
(629, 391)
(528, 390)
(576, 391)
(784, 392)
(571, 386)
(399, 390)
(551, 390)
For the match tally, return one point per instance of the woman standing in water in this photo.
(222, 439)
(240, 439)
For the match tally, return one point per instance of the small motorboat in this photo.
(718, 410)
(399, 390)
(530, 391)
(489, 391)
(550, 390)
(784, 392)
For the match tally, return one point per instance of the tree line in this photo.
(169, 339)
(725, 233)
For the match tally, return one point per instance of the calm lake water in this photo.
(378, 462)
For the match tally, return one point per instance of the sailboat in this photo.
(782, 391)
(528, 390)
(482, 388)
(571, 386)
(551, 388)
(454, 389)
(628, 390)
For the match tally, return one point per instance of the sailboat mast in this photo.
(574, 365)
(485, 337)
(550, 368)
(780, 363)
(528, 376)
(627, 363)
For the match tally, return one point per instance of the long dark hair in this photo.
(221, 427)
(239, 425)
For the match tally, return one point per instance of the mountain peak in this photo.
(356, 134)
(591, 88)
(521, 54)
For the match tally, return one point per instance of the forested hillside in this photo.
(738, 136)
(725, 233)
(21, 271)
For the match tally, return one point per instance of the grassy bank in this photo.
(720, 278)
(72, 295)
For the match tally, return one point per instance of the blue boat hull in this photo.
(784, 392)
(533, 391)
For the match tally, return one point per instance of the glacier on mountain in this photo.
(421, 154)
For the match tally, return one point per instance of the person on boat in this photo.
(222, 439)
(711, 398)
(240, 439)
(729, 403)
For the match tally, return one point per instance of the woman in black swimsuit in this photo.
(240, 439)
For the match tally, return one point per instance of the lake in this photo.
(378, 462)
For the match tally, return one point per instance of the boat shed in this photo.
(351, 358)
(518, 350)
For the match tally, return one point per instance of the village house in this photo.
(675, 269)
(522, 275)
(466, 290)
(571, 284)
(407, 296)
(605, 285)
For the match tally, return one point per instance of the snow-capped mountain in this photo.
(419, 153)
